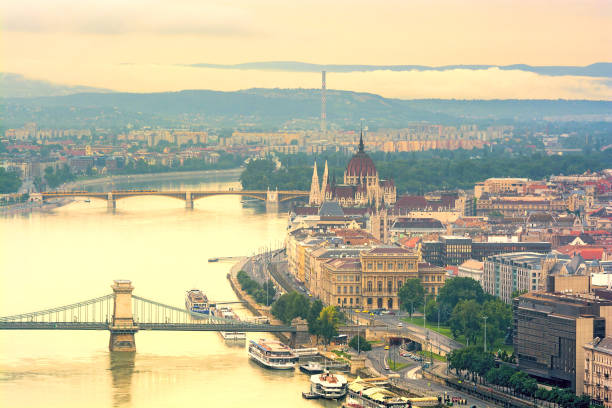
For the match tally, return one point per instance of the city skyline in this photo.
(147, 46)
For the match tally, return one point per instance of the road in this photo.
(377, 356)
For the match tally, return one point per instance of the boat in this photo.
(226, 312)
(272, 354)
(213, 259)
(328, 386)
(312, 367)
(197, 304)
(88, 200)
(362, 394)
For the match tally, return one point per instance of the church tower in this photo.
(324, 182)
(315, 193)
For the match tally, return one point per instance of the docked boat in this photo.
(272, 354)
(312, 367)
(362, 394)
(197, 304)
(328, 386)
(226, 312)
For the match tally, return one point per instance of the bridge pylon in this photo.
(111, 202)
(122, 327)
(188, 200)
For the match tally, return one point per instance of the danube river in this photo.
(74, 253)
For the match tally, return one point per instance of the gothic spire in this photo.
(361, 140)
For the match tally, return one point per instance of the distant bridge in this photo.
(111, 197)
(123, 314)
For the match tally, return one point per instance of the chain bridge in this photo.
(111, 197)
(124, 314)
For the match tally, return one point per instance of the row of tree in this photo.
(9, 181)
(58, 176)
(419, 172)
(263, 294)
(481, 366)
(322, 321)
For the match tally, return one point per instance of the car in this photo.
(400, 324)
(386, 347)
(365, 311)
(385, 312)
(371, 314)
(392, 313)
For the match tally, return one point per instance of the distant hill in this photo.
(600, 69)
(277, 109)
(18, 86)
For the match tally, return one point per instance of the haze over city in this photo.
(149, 46)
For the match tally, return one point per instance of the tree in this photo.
(9, 181)
(359, 343)
(458, 289)
(466, 320)
(411, 295)
(499, 319)
(432, 309)
(328, 323)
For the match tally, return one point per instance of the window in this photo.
(345, 290)
(339, 289)
(390, 265)
(370, 266)
(350, 290)
(357, 300)
(399, 285)
(369, 286)
(357, 289)
(400, 265)
(439, 278)
(379, 265)
(389, 286)
(380, 286)
(369, 301)
(426, 278)
(338, 300)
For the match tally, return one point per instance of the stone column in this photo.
(188, 200)
(122, 327)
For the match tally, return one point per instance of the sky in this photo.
(144, 45)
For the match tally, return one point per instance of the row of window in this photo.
(391, 265)
(348, 290)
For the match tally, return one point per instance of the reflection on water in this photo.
(122, 369)
(75, 252)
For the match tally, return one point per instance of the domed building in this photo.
(361, 186)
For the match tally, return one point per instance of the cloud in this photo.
(123, 17)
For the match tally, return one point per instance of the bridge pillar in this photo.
(188, 200)
(301, 335)
(111, 203)
(122, 327)
(272, 200)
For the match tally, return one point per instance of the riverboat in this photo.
(197, 304)
(312, 367)
(226, 312)
(328, 386)
(272, 354)
(362, 394)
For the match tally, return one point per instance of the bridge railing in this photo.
(98, 309)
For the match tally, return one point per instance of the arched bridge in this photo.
(123, 314)
(111, 197)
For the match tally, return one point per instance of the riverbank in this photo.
(175, 175)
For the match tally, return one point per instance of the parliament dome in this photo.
(361, 165)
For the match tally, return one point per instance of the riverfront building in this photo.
(550, 331)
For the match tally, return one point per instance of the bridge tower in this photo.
(188, 200)
(122, 327)
(111, 203)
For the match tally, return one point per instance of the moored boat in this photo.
(226, 312)
(328, 386)
(312, 367)
(272, 354)
(197, 304)
(362, 394)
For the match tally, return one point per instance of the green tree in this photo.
(411, 295)
(9, 181)
(359, 343)
(457, 289)
(466, 320)
(499, 319)
(328, 323)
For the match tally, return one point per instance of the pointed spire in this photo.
(361, 139)
(324, 182)
(315, 193)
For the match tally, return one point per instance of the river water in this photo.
(74, 252)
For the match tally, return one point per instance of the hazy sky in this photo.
(136, 45)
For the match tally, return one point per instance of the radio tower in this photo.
(323, 102)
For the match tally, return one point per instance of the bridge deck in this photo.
(146, 326)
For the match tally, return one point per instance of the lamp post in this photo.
(485, 333)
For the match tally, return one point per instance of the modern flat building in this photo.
(519, 271)
(598, 371)
(550, 331)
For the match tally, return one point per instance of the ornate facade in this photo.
(361, 186)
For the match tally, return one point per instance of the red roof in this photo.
(361, 165)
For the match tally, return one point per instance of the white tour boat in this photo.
(328, 386)
(226, 312)
(272, 354)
